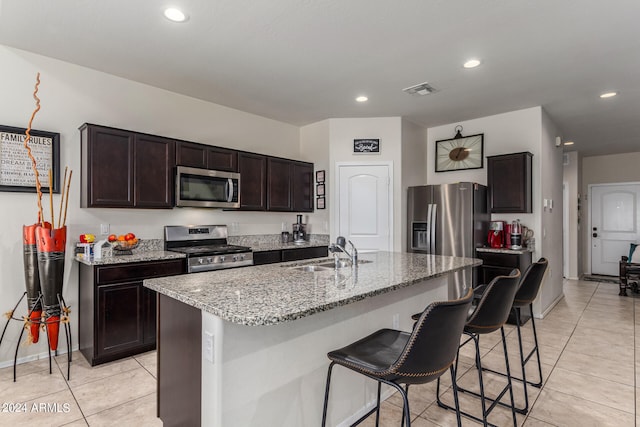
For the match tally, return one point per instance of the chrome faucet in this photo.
(339, 247)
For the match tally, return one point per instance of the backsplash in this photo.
(259, 239)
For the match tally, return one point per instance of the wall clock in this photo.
(460, 153)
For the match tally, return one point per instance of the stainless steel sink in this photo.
(312, 268)
(332, 264)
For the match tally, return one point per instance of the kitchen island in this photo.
(248, 346)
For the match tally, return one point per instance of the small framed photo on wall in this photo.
(320, 176)
(320, 190)
(320, 203)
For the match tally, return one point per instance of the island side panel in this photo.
(179, 362)
(275, 375)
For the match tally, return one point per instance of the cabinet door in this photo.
(267, 257)
(253, 174)
(222, 159)
(148, 316)
(302, 193)
(190, 154)
(107, 167)
(509, 181)
(279, 185)
(154, 169)
(119, 317)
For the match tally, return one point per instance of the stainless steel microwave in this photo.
(207, 188)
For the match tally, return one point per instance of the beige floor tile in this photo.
(32, 386)
(82, 372)
(52, 410)
(80, 423)
(138, 412)
(609, 326)
(603, 368)
(6, 374)
(624, 355)
(391, 415)
(532, 422)
(561, 409)
(588, 387)
(149, 361)
(119, 388)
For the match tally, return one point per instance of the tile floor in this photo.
(588, 354)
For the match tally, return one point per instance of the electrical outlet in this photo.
(104, 229)
(396, 321)
(208, 346)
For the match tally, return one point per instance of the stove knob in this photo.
(222, 258)
(209, 260)
(200, 261)
(235, 257)
(241, 256)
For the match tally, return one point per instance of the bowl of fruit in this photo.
(124, 242)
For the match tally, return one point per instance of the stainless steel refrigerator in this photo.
(448, 219)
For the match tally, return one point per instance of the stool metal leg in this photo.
(326, 395)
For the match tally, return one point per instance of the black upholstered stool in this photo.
(527, 292)
(395, 357)
(489, 315)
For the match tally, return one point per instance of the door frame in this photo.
(335, 212)
(590, 227)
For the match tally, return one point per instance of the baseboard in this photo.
(553, 304)
(32, 358)
(384, 395)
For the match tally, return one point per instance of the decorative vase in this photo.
(32, 278)
(51, 253)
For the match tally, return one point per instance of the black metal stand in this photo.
(64, 319)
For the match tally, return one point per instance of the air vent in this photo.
(421, 89)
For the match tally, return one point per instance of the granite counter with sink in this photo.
(247, 346)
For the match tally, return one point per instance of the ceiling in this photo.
(302, 61)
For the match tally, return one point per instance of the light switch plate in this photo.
(104, 229)
(207, 347)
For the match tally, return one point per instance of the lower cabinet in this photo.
(117, 315)
(281, 255)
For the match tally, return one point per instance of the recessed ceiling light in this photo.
(608, 94)
(175, 15)
(362, 99)
(568, 143)
(472, 63)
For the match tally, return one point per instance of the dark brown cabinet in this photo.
(267, 257)
(510, 183)
(253, 176)
(294, 254)
(122, 169)
(117, 315)
(206, 157)
(289, 185)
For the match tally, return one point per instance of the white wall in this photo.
(72, 95)
(414, 170)
(516, 131)
(612, 168)
(572, 179)
(342, 132)
(314, 147)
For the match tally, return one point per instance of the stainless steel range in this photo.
(206, 247)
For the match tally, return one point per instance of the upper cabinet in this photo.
(253, 178)
(509, 182)
(122, 169)
(206, 157)
(289, 185)
(302, 175)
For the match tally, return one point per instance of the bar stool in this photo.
(396, 357)
(489, 315)
(527, 293)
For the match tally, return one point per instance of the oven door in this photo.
(207, 188)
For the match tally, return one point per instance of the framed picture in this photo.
(460, 153)
(320, 203)
(319, 176)
(366, 146)
(16, 173)
(320, 190)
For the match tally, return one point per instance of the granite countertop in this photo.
(276, 293)
(504, 250)
(136, 257)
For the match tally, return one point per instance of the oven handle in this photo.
(229, 188)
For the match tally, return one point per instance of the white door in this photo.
(364, 206)
(615, 218)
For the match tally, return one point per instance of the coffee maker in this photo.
(495, 239)
(299, 231)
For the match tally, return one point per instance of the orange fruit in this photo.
(121, 238)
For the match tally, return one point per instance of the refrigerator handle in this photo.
(432, 227)
(428, 231)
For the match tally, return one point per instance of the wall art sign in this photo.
(366, 146)
(16, 173)
(320, 176)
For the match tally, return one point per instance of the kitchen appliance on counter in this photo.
(495, 239)
(207, 188)
(299, 231)
(448, 219)
(516, 235)
(206, 247)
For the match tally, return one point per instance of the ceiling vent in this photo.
(421, 89)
